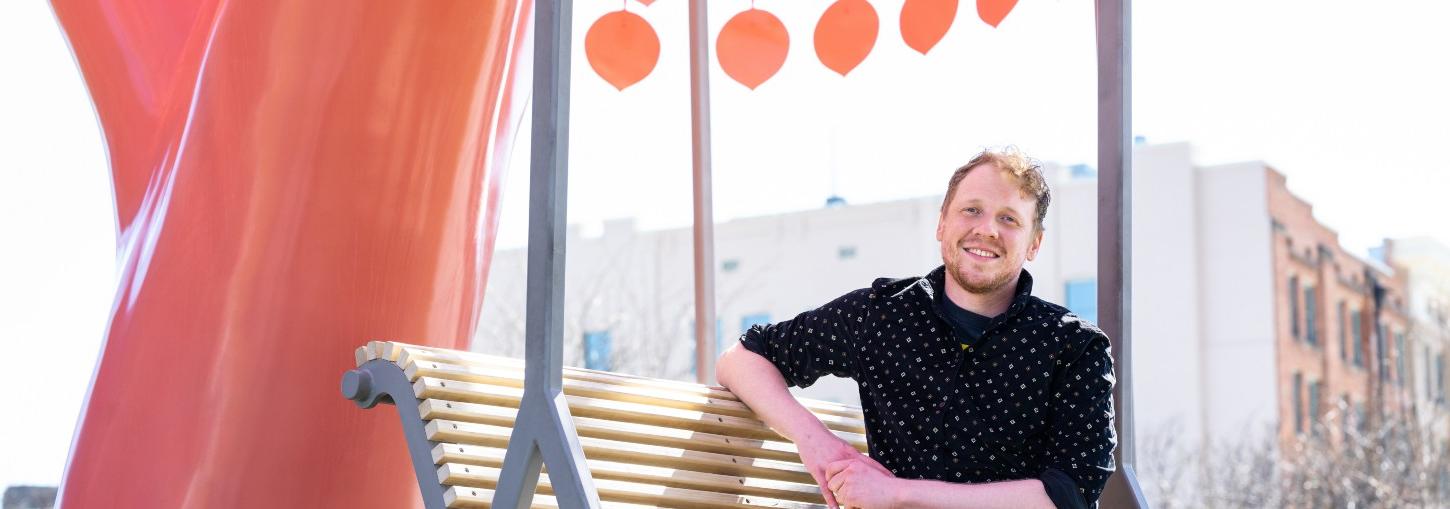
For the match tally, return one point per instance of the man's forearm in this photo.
(757, 382)
(1026, 493)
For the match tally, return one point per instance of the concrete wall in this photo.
(1237, 305)
(1166, 331)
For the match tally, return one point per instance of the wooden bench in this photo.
(648, 442)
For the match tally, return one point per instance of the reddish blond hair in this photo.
(1026, 170)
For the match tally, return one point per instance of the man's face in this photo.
(987, 232)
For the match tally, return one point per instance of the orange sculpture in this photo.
(925, 22)
(291, 180)
(622, 48)
(845, 34)
(994, 11)
(752, 46)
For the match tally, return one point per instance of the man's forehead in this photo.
(966, 192)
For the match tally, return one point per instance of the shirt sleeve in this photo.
(1081, 437)
(814, 343)
(1062, 489)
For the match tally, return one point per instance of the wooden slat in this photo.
(405, 352)
(617, 430)
(482, 498)
(380, 349)
(510, 377)
(623, 491)
(417, 352)
(671, 477)
(613, 410)
(440, 430)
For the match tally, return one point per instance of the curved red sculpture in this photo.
(292, 179)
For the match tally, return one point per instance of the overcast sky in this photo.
(1348, 99)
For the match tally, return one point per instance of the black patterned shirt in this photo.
(1031, 399)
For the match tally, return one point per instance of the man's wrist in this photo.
(900, 492)
(809, 432)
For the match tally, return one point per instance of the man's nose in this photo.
(985, 228)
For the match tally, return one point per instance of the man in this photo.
(975, 393)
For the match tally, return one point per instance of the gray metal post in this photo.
(543, 430)
(704, 231)
(1115, 232)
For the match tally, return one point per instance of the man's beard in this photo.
(993, 284)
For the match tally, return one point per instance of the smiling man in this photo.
(976, 393)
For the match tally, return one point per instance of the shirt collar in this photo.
(935, 285)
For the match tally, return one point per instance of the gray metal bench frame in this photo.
(381, 381)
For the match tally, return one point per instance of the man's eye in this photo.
(970, 210)
(1009, 219)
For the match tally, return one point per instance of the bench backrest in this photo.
(648, 442)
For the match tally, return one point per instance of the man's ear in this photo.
(1036, 244)
(941, 225)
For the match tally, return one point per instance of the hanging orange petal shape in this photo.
(622, 48)
(992, 11)
(752, 47)
(925, 22)
(646, 2)
(845, 34)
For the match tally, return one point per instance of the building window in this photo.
(1439, 378)
(1298, 403)
(748, 321)
(1400, 358)
(846, 252)
(1382, 362)
(1311, 332)
(1343, 333)
(597, 345)
(729, 265)
(1429, 376)
(721, 343)
(1082, 298)
(1357, 337)
(1294, 306)
(1314, 388)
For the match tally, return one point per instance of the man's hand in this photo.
(820, 450)
(862, 482)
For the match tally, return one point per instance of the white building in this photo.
(1427, 264)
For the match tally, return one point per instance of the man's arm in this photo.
(760, 385)
(858, 485)
(1024, 494)
(757, 382)
(1080, 435)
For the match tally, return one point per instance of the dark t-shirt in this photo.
(969, 326)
